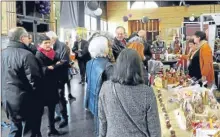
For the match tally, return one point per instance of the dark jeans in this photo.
(62, 103)
(82, 69)
(51, 113)
(68, 87)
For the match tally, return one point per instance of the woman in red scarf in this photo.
(51, 69)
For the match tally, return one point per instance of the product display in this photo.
(186, 107)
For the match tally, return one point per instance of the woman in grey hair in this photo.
(128, 107)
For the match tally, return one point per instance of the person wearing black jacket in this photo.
(80, 49)
(119, 42)
(31, 45)
(52, 68)
(61, 49)
(21, 82)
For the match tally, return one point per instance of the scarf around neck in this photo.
(50, 54)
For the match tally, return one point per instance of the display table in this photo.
(175, 113)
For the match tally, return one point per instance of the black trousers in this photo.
(82, 69)
(62, 102)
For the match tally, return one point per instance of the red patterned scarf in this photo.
(50, 53)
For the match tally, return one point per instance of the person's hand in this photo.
(50, 67)
(58, 62)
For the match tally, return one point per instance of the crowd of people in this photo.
(115, 70)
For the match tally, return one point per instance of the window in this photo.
(93, 23)
(142, 5)
(111, 27)
(103, 25)
(87, 22)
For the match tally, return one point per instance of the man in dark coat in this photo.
(61, 49)
(119, 42)
(80, 49)
(21, 78)
(31, 45)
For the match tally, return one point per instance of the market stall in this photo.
(186, 109)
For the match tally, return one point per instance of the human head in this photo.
(120, 33)
(142, 34)
(128, 68)
(199, 36)
(78, 38)
(30, 38)
(192, 44)
(44, 42)
(188, 37)
(18, 34)
(53, 37)
(139, 47)
(98, 47)
(158, 38)
(176, 38)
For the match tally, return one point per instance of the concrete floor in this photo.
(80, 121)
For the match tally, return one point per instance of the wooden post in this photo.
(8, 16)
(52, 16)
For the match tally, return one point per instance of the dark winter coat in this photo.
(84, 54)
(62, 51)
(21, 80)
(117, 47)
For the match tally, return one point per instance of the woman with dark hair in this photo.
(201, 60)
(51, 68)
(127, 102)
(184, 59)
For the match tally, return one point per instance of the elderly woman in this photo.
(201, 60)
(110, 38)
(98, 69)
(128, 107)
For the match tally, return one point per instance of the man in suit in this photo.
(80, 49)
(61, 49)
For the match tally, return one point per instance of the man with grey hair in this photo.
(21, 76)
(61, 49)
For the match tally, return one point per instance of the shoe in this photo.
(70, 97)
(52, 132)
(63, 123)
(57, 118)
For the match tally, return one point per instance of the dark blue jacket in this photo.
(95, 73)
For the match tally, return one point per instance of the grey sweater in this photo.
(139, 102)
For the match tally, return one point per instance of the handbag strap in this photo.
(125, 112)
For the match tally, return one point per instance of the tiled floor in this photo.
(80, 121)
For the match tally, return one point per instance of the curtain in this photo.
(69, 14)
